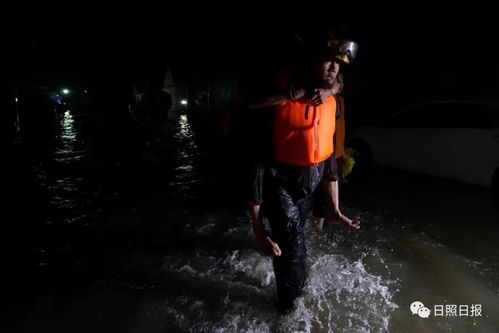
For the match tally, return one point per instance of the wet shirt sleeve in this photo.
(330, 172)
(254, 190)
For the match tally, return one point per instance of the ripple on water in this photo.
(233, 291)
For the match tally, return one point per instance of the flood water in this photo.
(116, 236)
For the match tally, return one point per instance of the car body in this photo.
(451, 139)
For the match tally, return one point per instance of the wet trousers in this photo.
(288, 195)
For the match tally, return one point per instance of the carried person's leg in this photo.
(287, 225)
(288, 197)
(287, 219)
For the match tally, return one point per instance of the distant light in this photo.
(65, 91)
(183, 102)
(85, 91)
(16, 100)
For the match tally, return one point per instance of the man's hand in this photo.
(268, 246)
(351, 223)
(319, 96)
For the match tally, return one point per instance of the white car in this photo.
(451, 139)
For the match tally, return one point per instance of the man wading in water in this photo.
(303, 128)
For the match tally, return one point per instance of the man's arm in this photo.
(319, 96)
(330, 182)
(269, 247)
(276, 98)
(315, 97)
(333, 194)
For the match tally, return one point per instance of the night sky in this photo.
(424, 50)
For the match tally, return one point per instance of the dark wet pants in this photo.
(288, 193)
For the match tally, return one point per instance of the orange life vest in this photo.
(303, 133)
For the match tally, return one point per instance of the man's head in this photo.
(321, 66)
(327, 72)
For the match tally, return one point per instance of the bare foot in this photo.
(268, 246)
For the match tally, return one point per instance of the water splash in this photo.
(234, 291)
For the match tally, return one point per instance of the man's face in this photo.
(328, 71)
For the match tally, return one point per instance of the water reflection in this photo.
(185, 131)
(68, 145)
(207, 274)
(68, 130)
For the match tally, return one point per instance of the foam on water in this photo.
(234, 291)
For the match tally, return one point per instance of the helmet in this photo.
(347, 51)
(327, 45)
